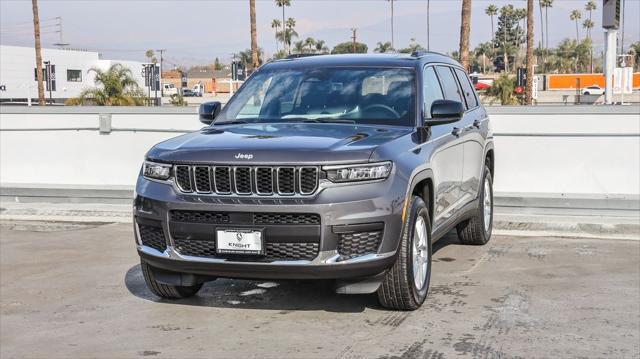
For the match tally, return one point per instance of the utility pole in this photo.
(61, 42)
(392, 37)
(36, 32)
(428, 25)
(161, 51)
(354, 37)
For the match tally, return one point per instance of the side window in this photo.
(431, 89)
(469, 95)
(449, 84)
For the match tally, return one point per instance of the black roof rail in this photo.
(297, 56)
(421, 53)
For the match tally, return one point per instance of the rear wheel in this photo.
(165, 290)
(477, 229)
(406, 284)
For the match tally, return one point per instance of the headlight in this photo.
(154, 170)
(360, 172)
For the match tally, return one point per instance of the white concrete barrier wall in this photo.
(558, 151)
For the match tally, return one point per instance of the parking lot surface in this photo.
(77, 291)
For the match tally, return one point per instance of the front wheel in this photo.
(165, 290)
(406, 284)
(477, 229)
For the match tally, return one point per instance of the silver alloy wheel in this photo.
(420, 253)
(487, 205)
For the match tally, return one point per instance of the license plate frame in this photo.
(240, 241)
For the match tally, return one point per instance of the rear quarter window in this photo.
(449, 84)
(467, 89)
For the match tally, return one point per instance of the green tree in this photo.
(508, 38)
(283, 4)
(113, 87)
(177, 100)
(347, 48)
(590, 7)
(480, 54)
(288, 33)
(217, 65)
(321, 47)
(492, 11)
(384, 47)
(634, 51)
(275, 24)
(149, 54)
(570, 56)
(246, 57)
(546, 4)
(503, 89)
(575, 16)
(413, 47)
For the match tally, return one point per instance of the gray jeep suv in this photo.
(344, 167)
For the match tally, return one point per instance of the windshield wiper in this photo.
(235, 122)
(327, 120)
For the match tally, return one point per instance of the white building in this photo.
(72, 75)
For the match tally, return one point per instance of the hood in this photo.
(295, 143)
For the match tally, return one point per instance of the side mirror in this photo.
(445, 111)
(208, 111)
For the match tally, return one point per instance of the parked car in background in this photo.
(189, 93)
(169, 89)
(343, 167)
(593, 90)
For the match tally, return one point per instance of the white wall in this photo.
(18, 64)
(563, 151)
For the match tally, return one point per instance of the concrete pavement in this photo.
(78, 292)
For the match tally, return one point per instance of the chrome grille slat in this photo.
(247, 180)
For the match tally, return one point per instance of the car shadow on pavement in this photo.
(281, 295)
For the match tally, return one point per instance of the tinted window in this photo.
(467, 90)
(449, 84)
(350, 95)
(431, 89)
(74, 76)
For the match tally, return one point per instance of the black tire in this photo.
(164, 290)
(472, 231)
(587, 94)
(398, 290)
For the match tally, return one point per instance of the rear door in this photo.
(472, 135)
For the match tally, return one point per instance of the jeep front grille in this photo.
(247, 180)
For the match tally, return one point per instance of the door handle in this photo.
(456, 131)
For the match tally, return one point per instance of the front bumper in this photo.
(344, 208)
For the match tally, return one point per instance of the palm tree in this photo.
(492, 11)
(289, 32)
(283, 4)
(114, 87)
(151, 56)
(465, 30)
(391, 1)
(546, 4)
(254, 35)
(576, 15)
(528, 96)
(299, 47)
(275, 24)
(590, 7)
(36, 32)
(383, 47)
(321, 47)
(588, 25)
(310, 42)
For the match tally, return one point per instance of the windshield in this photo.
(343, 95)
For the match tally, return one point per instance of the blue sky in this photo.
(197, 31)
